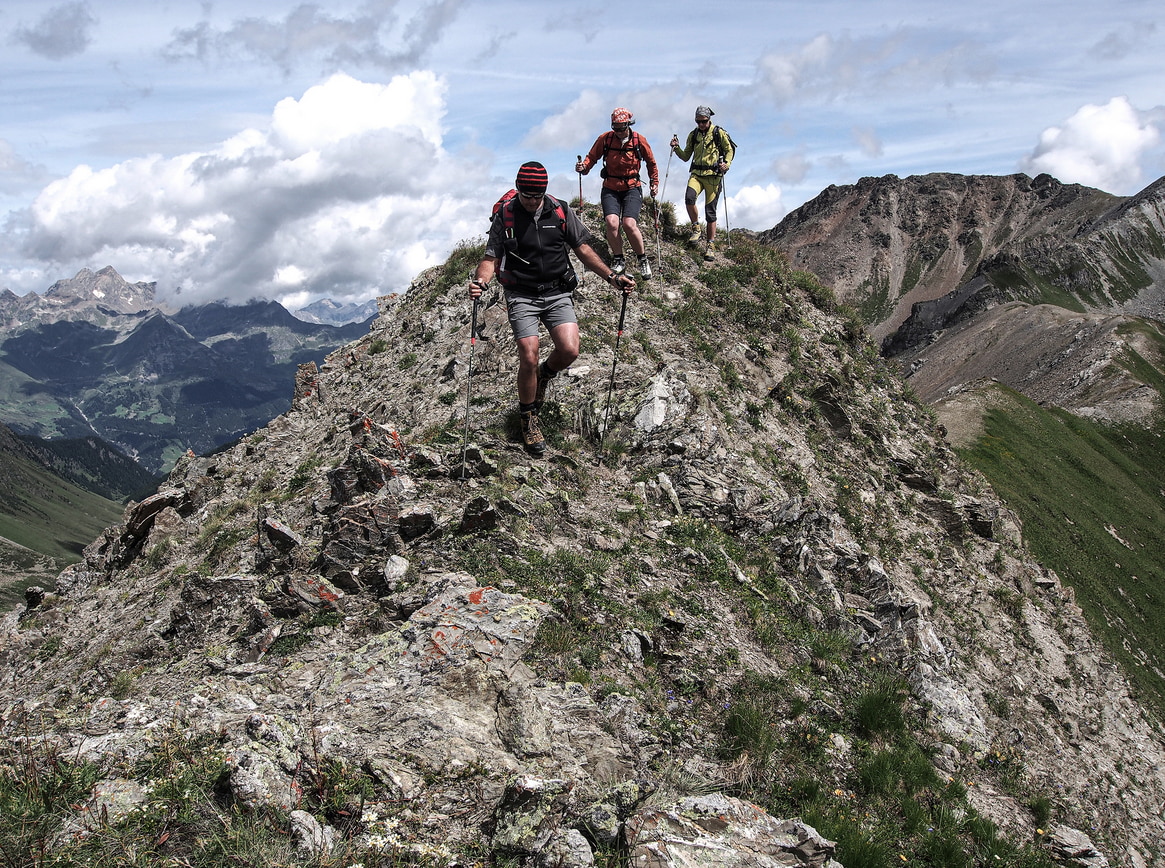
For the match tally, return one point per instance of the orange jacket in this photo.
(621, 160)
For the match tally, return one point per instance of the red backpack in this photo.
(506, 205)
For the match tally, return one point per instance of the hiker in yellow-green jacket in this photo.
(711, 150)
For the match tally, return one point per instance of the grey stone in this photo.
(717, 830)
(312, 840)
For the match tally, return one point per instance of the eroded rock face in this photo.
(537, 659)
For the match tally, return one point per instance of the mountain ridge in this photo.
(775, 582)
(888, 244)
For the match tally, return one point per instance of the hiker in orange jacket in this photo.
(622, 151)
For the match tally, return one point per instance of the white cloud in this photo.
(754, 207)
(349, 192)
(1099, 146)
(580, 121)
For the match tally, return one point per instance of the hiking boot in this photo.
(645, 267)
(531, 433)
(709, 250)
(544, 378)
(695, 234)
(618, 265)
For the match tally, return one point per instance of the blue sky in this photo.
(294, 151)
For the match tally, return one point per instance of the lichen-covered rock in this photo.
(718, 831)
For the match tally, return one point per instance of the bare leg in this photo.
(527, 369)
(634, 236)
(614, 241)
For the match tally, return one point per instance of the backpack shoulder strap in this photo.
(559, 210)
(724, 139)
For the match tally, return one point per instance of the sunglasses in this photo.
(619, 127)
(527, 194)
(701, 121)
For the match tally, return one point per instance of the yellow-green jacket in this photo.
(706, 150)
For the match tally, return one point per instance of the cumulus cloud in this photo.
(375, 36)
(581, 121)
(755, 207)
(348, 193)
(1099, 146)
(63, 31)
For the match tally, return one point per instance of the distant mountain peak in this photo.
(328, 311)
(105, 287)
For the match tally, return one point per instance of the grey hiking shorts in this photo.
(526, 311)
(625, 203)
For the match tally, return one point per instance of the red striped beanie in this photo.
(531, 178)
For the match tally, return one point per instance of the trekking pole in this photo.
(658, 201)
(727, 228)
(468, 387)
(614, 361)
(580, 198)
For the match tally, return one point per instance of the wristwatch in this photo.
(611, 277)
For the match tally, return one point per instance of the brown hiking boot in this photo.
(531, 433)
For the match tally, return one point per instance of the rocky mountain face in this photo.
(90, 297)
(618, 651)
(1056, 290)
(95, 355)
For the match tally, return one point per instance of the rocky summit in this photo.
(918, 254)
(752, 611)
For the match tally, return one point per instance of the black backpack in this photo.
(716, 131)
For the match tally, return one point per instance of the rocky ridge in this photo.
(887, 244)
(1062, 282)
(541, 660)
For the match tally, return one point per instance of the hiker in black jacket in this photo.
(530, 239)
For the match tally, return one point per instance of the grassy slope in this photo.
(1092, 501)
(47, 515)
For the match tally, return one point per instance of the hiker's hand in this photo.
(722, 168)
(476, 287)
(654, 190)
(624, 282)
(580, 167)
(675, 141)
